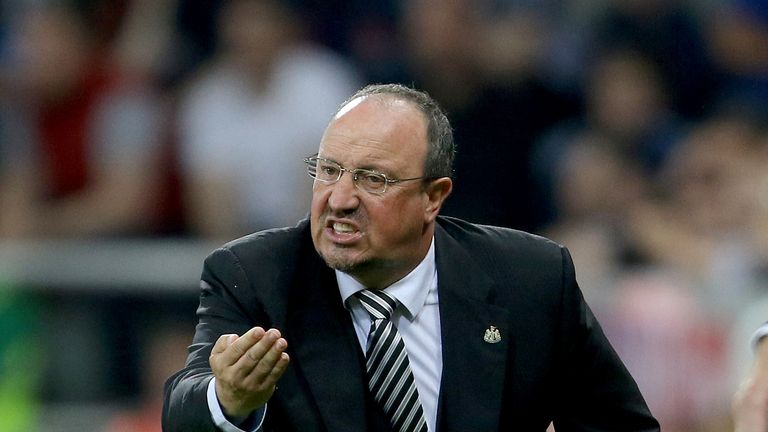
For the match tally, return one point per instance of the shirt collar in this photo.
(410, 291)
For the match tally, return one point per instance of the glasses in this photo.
(328, 171)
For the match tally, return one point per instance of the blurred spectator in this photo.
(251, 115)
(592, 211)
(700, 232)
(625, 111)
(193, 37)
(143, 47)
(626, 101)
(655, 321)
(370, 35)
(704, 218)
(668, 227)
(83, 149)
(482, 65)
(671, 36)
(658, 318)
(739, 34)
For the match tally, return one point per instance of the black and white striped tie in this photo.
(389, 372)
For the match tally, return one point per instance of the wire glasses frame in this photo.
(329, 172)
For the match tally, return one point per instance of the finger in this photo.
(273, 357)
(280, 367)
(241, 345)
(222, 343)
(256, 352)
(269, 381)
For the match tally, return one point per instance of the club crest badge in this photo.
(492, 335)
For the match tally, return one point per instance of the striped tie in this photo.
(389, 372)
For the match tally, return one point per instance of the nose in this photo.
(344, 194)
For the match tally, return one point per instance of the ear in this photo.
(435, 194)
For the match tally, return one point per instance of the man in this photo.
(496, 331)
(750, 402)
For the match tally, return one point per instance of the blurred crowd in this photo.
(635, 132)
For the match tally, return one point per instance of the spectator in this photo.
(249, 115)
(79, 131)
(704, 219)
(673, 37)
(592, 212)
(625, 111)
(495, 96)
(739, 41)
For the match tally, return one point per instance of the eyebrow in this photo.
(363, 167)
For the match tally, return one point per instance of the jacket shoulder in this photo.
(266, 258)
(271, 243)
(500, 239)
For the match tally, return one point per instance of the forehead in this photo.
(377, 130)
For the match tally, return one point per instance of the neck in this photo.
(380, 274)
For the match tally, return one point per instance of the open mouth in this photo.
(343, 233)
(343, 228)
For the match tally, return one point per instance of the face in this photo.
(377, 239)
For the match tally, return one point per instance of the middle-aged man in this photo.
(378, 315)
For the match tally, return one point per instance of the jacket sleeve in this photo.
(598, 392)
(224, 291)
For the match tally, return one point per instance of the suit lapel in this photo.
(327, 350)
(472, 383)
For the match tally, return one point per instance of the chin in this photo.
(341, 261)
(335, 261)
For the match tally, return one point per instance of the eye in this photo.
(372, 179)
(328, 170)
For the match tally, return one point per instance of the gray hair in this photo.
(440, 145)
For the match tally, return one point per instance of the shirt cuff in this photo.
(761, 332)
(253, 421)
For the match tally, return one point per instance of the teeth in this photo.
(342, 227)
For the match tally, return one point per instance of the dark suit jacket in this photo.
(553, 362)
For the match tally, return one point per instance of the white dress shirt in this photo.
(417, 318)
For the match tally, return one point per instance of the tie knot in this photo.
(379, 304)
